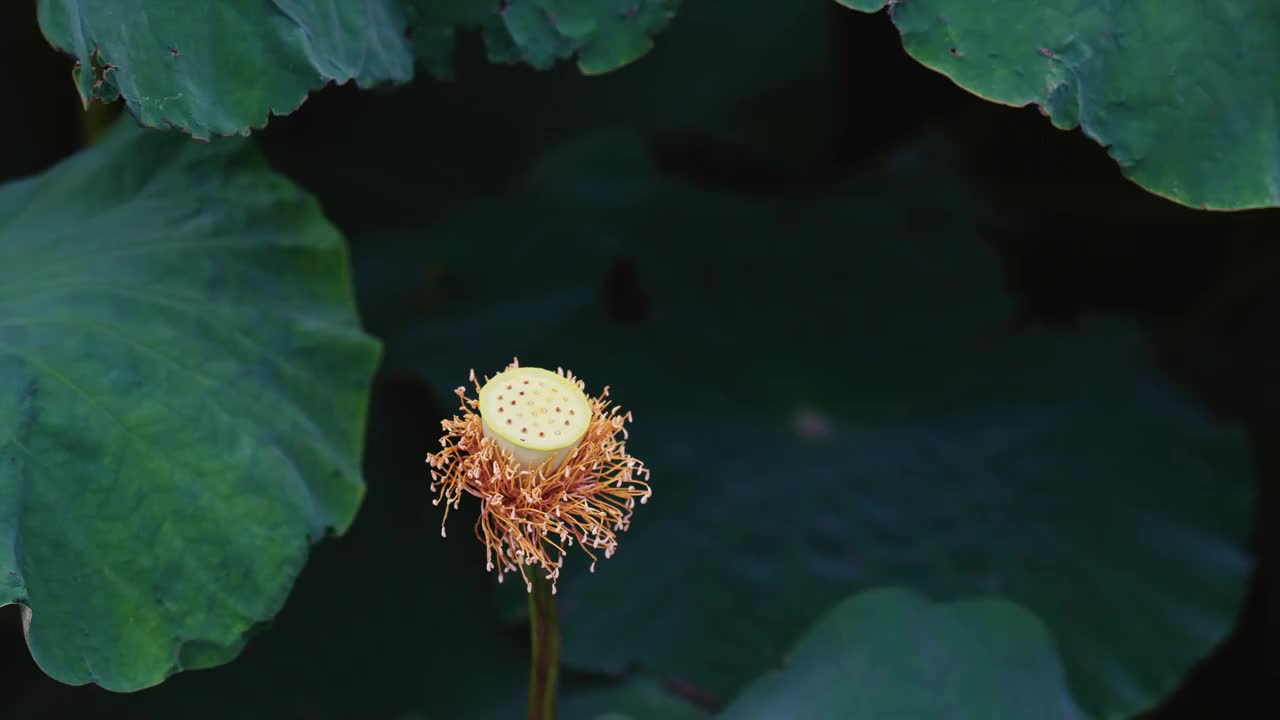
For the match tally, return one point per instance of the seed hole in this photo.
(541, 434)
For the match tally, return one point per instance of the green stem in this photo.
(544, 634)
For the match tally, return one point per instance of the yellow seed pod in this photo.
(534, 414)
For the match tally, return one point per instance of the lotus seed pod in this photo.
(534, 414)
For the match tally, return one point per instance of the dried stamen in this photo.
(540, 491)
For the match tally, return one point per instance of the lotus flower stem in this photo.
(549, 468)
(544, 636)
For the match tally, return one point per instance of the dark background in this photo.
(1072, 235)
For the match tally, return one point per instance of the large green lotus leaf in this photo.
(220, 68)
(223, 68)
(1184, 101)
(891, 653)
(182, 396)
(603, 35)
(829, 399)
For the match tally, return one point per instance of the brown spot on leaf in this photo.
(99, 68)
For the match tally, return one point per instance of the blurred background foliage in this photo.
(874, 329)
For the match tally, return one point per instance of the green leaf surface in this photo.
(603, 35)
(221, 68)
(891, 653)
(637, 699)
(1184, 101)
(182, 397)
(829, 399)
(433, 26)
